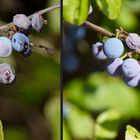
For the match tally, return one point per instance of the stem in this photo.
(9, 25)
(121, 33)
(98, 29)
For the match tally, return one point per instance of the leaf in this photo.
(1, 131)
(75, 11)
(100, 92)
(66, 135)
(111, 8)
(52, 114)
(79, 122)
(131, 133)
(107, 124)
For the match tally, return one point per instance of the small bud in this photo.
(19, 42)
(5, 47)
(7, 73)
(133, 41)
(37, 21)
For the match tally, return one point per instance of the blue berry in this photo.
(130, 68)
(37, 21)
(5, 47)
(133, 82)
(114, 67)
(98, 51)
(113, 48)
(20, 41)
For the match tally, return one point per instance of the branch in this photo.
(8, 26)
(102, 31)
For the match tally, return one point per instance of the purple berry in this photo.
(37, 21)
(114, 67)
(22, 23)
(98, 51)
(7, 73)
(133, 41)
(130, 68)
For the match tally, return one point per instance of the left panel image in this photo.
(30, 70)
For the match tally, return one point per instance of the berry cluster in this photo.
(19, 42)
(123, 62)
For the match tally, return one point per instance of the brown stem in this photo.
(122, 34)
(98, 29)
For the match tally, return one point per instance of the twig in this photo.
(8, 26)
(96, 28)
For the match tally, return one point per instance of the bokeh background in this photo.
(29, 108)
(97, 106)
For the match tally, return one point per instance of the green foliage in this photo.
(111, 8)
(52, 114)
(131, 133)
(1, 131)
(75, 11)
(14, 133)
(80, 123)
(107, 124)
(100, 92)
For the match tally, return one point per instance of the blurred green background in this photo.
(29, 108)
(97, 106)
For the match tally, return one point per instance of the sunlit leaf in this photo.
(75, 11)
(80, 123)
(107, 124)
(131, 133)
(111, 8)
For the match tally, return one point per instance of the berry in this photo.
(130, 68)
(113, 48)
(5, 47)
(114, 67)
(27, 51)
(37, 21)
(133, 41)
(22, 23)
(98, 51)
(20, 42)
(7, 73)
(133, 82)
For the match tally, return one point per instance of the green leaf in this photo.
(131, 133)
(100, 92)
(75, 11)
(66, 135)
(107, 124)
(52, 114)
(1, 131)
(79, 122)
(111, 8)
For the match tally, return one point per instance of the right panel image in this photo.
(101, 70)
